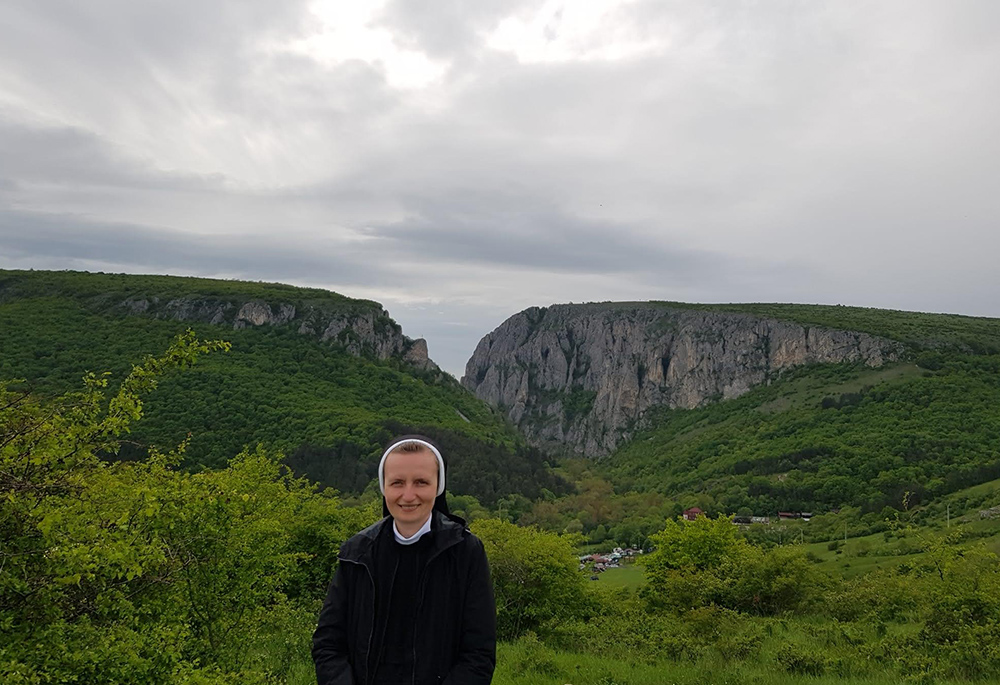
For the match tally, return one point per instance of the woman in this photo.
(411, 600)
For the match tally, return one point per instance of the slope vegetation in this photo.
(328, 404)
(828, 436)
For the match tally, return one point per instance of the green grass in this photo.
(809, 390)
(983, 490)
(863, 554)
(588, 669)
(630, 576)
(524, 663)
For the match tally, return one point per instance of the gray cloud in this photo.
(71, 155)
(450, 30)
(490, 229)
(792, 152)
(77, 241)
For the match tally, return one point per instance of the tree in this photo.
(535, 577)
(139, 572)
(706, 561)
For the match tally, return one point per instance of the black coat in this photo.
(455, 631)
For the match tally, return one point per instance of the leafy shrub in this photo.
(532, 656)
(881, 595)
(800, 660)
(140, 572)
(535, 577)
(703, 562)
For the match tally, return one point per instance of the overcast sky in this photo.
(461, 160)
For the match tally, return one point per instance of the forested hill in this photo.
(323, 377)
(360, 327)
(756, 408)
(824, 436)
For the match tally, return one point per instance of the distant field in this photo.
(630, 576)
(809, 390)
(871, 552)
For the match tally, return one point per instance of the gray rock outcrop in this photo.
(360, 330)
(582, 376)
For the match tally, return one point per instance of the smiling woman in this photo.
(412, 478)
(411, 600)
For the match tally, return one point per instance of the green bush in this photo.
(531, 656)
(702, 562)
(881, 595)
(800, 660)
(140, 572)
(535, 577)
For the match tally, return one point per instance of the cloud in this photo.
(460, 161)
(71, 155)
(493, 230)
(79, 242)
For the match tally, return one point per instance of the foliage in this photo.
(918, 330)
(704, 562)
(535, 577)
(329, 411)
(795, 659)
(137, 572)
(103, 290)
(776, 448)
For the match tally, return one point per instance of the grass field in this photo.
(871, 552)
(527, 662)
(630, 576)
(522, 663)
(808, 390)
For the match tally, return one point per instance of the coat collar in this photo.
(447, 530)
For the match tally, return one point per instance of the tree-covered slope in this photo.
(918, 330)
(328, 409)
(828, 436)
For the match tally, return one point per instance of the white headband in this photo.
(406, 441)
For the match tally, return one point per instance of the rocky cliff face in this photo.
(360, 331)
(582, 376)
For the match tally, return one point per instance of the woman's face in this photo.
(410, 488)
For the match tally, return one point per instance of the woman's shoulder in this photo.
(362, 541)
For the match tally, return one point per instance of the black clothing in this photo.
(398, 570)
(453, 637)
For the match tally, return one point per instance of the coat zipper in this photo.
(420, 604)
(371, 633)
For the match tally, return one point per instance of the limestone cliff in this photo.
(359, 330)
(582, 376)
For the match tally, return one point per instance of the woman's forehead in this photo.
(423, 460)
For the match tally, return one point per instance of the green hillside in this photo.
(918, 330)
(329, 411)
(106, 290)
(829, 436)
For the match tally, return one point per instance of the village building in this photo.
(692, 513)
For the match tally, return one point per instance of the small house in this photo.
(692, 513)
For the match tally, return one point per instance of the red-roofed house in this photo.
(692, 513)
